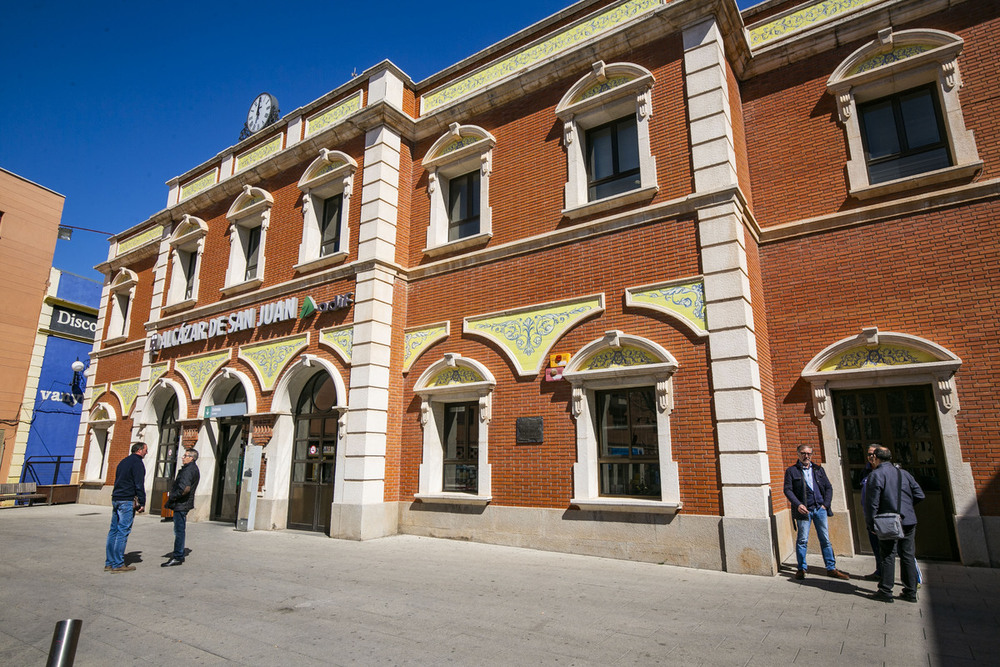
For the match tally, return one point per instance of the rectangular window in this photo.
(903, 135)
(253, 252)
(613, 158)
(628, 457)
(463, 206)
(330, 226)
(188, 260)
(461, 447)
(122, 300)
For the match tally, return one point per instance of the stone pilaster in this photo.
(735, 372)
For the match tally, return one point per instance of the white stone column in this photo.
(359, 507)
(743, 462)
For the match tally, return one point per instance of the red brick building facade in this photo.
(586, 290)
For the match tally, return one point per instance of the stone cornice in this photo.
(963, 194)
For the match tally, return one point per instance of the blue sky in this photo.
(104, 101)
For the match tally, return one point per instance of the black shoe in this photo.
(908, 597)
(172, 562)
(874, 576)
(879, 596)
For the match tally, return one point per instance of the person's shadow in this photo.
(133, 557)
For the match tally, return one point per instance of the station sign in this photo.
(225, 410)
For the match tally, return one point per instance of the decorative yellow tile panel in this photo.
(416, 341)
(684, 301)
(526, 335)
(877, 357)
(126, 391)
(457, 375)
(156, 371)
(134, 242)
(268, 359)
(340, 340)
(561, 41)
(897, 54)
(260, 153)
(821, 11)
(197, 371)
(201, 183)
(625, 357)
(332, 115)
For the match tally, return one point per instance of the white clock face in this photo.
(260, 112)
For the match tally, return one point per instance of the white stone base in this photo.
(95, 495)
(841, 535)
(363, 522)
(749, 548)
(688, 541)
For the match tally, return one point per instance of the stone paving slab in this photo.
(293, 598)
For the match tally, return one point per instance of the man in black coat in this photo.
(181, 501)
(893, 490)
(810, 493)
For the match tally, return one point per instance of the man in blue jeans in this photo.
(127, 498)
(810, 493)
(181, 501)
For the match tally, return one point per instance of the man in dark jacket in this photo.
(810, 493)
(127, 498)
(181, 501)
(893, 490)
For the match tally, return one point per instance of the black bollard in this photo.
(62, 653)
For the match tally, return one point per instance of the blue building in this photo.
(45, 451)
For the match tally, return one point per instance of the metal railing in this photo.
(31, 472)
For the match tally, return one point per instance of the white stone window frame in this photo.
(633, 97)
(441, 168)
(432, 405)
(317, 186)
(244, 217)
(121, 297)
(187, 240)
(586, 384)
(102, 418)
(969, 531)
(938, 66)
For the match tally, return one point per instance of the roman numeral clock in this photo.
(263, 112)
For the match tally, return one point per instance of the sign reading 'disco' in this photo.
(73, 322)
(250, 318)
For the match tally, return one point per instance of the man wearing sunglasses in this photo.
(810, 493)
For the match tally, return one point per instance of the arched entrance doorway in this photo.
(314, 455)
(166, 454)
(229, 449)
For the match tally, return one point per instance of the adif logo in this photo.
(310, 306)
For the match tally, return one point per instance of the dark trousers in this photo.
(907, 562)
(873, 541)
(180, 527)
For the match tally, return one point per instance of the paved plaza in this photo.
(293, 598)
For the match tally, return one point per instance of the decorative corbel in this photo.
(820, 399)
(576, 406)
(432, 180)
(885, 40)
(644, 103)
(945, 394)
(451, 359)
(486, 164)
(308, 360)
(325, 154)
(599, 71)
(613, 339)
(486, 408)
(664, 396)
(265, 218)
(342, 425)
(869, 335)
(568, 132)
(845, 105)
(949, 72)
(348, 185)
(425, 411)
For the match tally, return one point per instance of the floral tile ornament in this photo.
(525, 335)
(879, 356)
(894, 56)
(340, 340)
(683, 300)
(260, 153)
(332, 115)
(455, 376)
(203, 182)
(268, 359)
(197, 371)
(563, 40)
(145, 237)
(156, 371)
(803, 18)
(417, 340)
(97, 393)
(624, 357)
(126, 391)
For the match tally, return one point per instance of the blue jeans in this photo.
(817, 516)
(180, 526)
(122, 514)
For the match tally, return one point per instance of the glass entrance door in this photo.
(904, 419)
(228, 469)
(314, 456)
(166, 455)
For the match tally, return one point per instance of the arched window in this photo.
(314, 455)
(166, 453)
